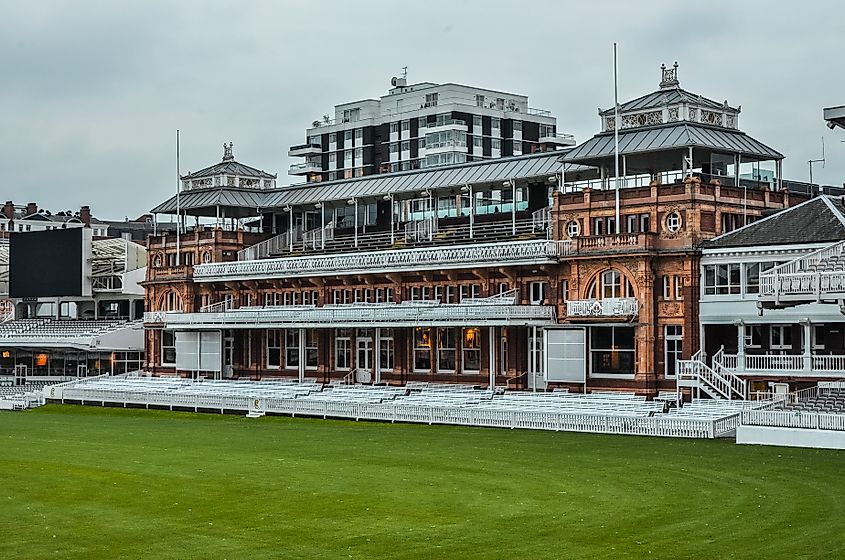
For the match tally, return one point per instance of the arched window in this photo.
(611, 284)
(172, 301)
(573, 228)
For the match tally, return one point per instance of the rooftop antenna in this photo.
(812, 161)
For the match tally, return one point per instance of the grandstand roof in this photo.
(373, 186)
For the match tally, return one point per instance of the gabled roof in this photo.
(229, 168)
(669, 96)
(671, 136)
(818, 220)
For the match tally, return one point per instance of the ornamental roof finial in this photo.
(227, 152)
(669, 76)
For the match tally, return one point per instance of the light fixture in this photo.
(553, 179)
(351, 201)
(318, 205)
(286, 209)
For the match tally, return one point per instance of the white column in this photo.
(377, 351)
(491, 366)
(808, 344)
(301, 355)
(533, 354)
(740, 346)
(356, 222)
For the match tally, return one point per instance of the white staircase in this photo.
(717, 382)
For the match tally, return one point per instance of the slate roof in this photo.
(662, 97)
(818, 220)
(672, 136)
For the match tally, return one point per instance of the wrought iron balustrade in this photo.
(608, 307)
(427, 258)
(360, 314)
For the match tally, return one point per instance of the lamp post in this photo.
(322, 224)
(468, 189)
(512, 184)
(354, 202)
(289, 210)
(392, 212)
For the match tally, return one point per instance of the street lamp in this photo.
(322, 209)
(354, 201)
(289, 209)
(392, 212)
(512, 184)
(468, 189)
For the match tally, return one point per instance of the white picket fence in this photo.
(793, 419)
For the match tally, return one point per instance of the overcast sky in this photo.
(91, 93)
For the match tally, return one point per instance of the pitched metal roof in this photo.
(490, 171)
(671, 136)
(818, 220)
(372, 186)
(229, 168)
(228, 197)
(669, 96)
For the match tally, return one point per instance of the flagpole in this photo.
(178, 205)
(616, 137)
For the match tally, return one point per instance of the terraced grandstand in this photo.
(419, 402)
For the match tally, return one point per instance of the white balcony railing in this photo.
(783, 364)
(810, 277)
(304, 168)
(609, 307)
(423, 258)
(406, 314)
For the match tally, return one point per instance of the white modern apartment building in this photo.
(423, 125)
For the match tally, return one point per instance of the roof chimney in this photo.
(31, 208)
(85, 215)
(9, 210)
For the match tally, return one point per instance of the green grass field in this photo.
(78, 482)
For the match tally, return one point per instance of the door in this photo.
(364, 359)
(228, 354)
(673, 342)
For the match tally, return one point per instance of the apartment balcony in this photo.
(559, 139)
(305, 150)
(453, 124)
(305, 168)
(405, 314)
(783, 365)
(531, 252)
(608, 307)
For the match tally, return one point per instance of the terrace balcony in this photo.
(810, 365)
(816, 277)
(608, 307)
(405, 314)
(301, 150)
(305, 168)
(558, 139)
(531, 252)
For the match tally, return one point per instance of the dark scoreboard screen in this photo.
(46, 263)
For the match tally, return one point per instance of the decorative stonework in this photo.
(642, 119)
(673, 114)
(669, 76)
(670, 309)
(692, 114)
(609, 123)
(730, 121)
(711, 117)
